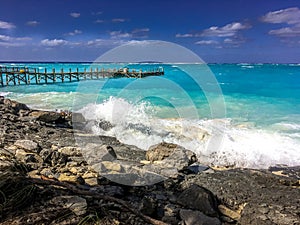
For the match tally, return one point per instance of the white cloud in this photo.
(53, 42)
(228, 30)
(75, 14)
(9, 41)
(32, 23)
(75, 32)
(104, 42)
(119, 34)
(286, 32)
(6, 25)
(235, 40)
(118, 20)
(184, 35)
(141, 30)
(99, 21)
(289, 16)
(207, 42)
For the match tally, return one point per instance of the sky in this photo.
(218, 31)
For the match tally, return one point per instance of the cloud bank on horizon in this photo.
(270, 33)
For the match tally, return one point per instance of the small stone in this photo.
(67, 178)
(93, 181)
(170, 210)
(70, 151)
(229, 212)
(47, 172)
(145, 162)
(34, 174)
(89, 175)
(105, 125)
(27, 145)
(73, 170)
(191, 217)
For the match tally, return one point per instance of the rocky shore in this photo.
(46, 179)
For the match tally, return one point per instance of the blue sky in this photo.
(216, 30)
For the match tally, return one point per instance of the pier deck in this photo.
(25, 75)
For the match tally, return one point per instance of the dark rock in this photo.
(148, 206)
(245, 190)
(199, 198)
(195, 168)
(191, 217)
(45, 116)
(16, 106)
(105, 125)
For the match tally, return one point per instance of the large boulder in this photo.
(199, 198)
(169, 159)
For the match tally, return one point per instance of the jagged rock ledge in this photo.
(45, 179)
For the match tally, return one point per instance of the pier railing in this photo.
(25, 75)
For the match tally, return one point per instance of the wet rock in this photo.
(77, 118)
(27, 145)
(199, 198)
(195, 168)
(105, 125)
(190, 217)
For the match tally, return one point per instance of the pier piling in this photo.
(24, 75)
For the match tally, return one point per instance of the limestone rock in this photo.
(70, 151)
(160, 151)
(168, 159)
(68, 178)
(27, 145)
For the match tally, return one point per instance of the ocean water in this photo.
(243, 115)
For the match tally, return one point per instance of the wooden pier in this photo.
(25, 75)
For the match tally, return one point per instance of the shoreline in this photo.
(38, 150)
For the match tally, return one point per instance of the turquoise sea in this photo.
(244, 115)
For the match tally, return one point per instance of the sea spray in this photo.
(242, 146)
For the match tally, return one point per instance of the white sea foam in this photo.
(216, 142)
(5, 93)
